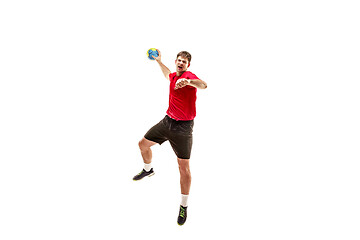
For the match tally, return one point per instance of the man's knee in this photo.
(142, 145)
(184, 166)
(145, 144)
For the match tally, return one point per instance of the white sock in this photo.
(147, 167)
(184, 199)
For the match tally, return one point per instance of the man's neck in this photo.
(179, 73)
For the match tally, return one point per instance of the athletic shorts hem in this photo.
(158, 142)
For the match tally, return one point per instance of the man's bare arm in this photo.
(166, 71)
(198, 83)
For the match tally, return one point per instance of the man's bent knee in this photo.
(145, 144)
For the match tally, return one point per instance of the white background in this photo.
(276, 138)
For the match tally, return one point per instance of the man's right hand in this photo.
(158, 58)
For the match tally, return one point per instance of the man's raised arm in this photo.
(164, 69)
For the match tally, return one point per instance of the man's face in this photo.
(181, 64)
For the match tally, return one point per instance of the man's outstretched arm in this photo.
(166, 71)
(198, 83)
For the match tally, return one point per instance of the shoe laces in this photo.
(182, 212)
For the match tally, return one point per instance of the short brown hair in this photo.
(184, 54)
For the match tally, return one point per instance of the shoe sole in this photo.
(152, 174)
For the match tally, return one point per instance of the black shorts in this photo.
(179, 134)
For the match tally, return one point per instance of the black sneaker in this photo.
(143, 174)
(182, 215)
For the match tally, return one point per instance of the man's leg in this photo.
(145, 150)
(181, 144)
(185, 182)
(146, 154)
(185, 175)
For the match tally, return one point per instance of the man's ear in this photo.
(188, 65)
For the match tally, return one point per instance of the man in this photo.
(177, 126)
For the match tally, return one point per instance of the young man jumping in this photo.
(177, 126)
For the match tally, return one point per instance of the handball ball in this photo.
(152, 52)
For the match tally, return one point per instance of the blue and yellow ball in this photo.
(151, 53)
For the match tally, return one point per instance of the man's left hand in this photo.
(182, 82)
